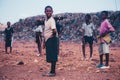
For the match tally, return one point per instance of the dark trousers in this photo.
(107, 59)
(53, 67)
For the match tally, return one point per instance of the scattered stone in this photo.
(112, 60)
(41, 69)
(89, 68)
(30, 71)
(60, 68)
(81, 65)
(35, 60)
(97, 71)
(17, 52)
(20, 63)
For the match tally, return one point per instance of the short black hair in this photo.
(106, 13)
(88, 15)
(8, 22)
(49, 7)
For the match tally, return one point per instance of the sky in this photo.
(13, 10)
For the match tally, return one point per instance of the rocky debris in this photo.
(20, 63)
(71, 26)
(36, 61)
(97, 71)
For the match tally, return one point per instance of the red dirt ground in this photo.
(69, 67)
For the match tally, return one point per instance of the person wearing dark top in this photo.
(58, 27)
(8, 37)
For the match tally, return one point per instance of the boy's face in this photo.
(8, 24)
(48, 12)
(103, 15)
(87, 18)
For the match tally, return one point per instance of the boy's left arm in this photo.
(54, 33)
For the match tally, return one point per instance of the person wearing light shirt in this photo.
(51, 40)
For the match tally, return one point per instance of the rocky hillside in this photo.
(71, 24)
(2, 27)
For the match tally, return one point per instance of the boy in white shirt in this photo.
(38, 32)
(87, 36)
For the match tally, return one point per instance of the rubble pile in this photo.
(71, 26)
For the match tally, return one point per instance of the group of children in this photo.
(51, 41)
(104, 38)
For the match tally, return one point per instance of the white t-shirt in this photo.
(38, 29)
(88, 29)
(49, 26)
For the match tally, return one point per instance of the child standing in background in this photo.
(38, 35)
(8, 37)
(104, 37)
(87, 35)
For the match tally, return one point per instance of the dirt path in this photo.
(69, 67)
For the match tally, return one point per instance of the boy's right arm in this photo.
(43, 36)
